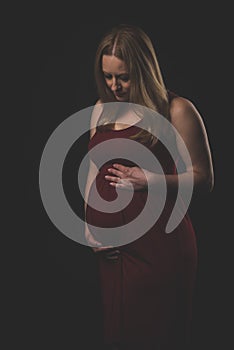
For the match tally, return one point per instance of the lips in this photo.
(119, 95)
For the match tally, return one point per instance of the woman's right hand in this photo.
(92, 242)
(111, 253)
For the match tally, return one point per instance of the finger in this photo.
(118, 185)
(115, 172)
(112, 252)
(93, 242)
(113, 258)
(114, 255)
(120, 167)
(101, 249)
(112, 178)
(121, 186)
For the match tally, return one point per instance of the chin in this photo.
(121, 98)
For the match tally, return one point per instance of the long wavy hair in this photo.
(132, 45)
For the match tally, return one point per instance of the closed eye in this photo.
(123, 77)
(108, 76)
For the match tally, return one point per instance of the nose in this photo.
(115, 85)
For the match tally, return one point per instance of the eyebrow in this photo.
(117, 75)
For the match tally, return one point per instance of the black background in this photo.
(63, 305)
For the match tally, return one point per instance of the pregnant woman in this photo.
(146, 283)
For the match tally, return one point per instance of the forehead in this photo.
(112, 64)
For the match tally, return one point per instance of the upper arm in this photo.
(190, 126)
(94, 117)
(93, 170)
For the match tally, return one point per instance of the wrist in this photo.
(155, 181)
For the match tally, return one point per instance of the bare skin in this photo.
(188, 122)
(116, 77)
(186, 119)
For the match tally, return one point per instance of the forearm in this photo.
(186, 181)
(93, 171)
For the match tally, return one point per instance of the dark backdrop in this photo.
(191, 48)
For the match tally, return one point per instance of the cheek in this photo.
(127, 86)
(108, 83)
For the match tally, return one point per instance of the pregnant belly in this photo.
(107, 208)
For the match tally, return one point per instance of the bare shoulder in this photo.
(97, 110)
(184, 113)
(99, 102)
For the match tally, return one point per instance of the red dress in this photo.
(147, 294)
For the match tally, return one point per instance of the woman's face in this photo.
(117, 77)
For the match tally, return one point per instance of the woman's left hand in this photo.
(127, 177)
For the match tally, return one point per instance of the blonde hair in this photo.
(132, 45)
